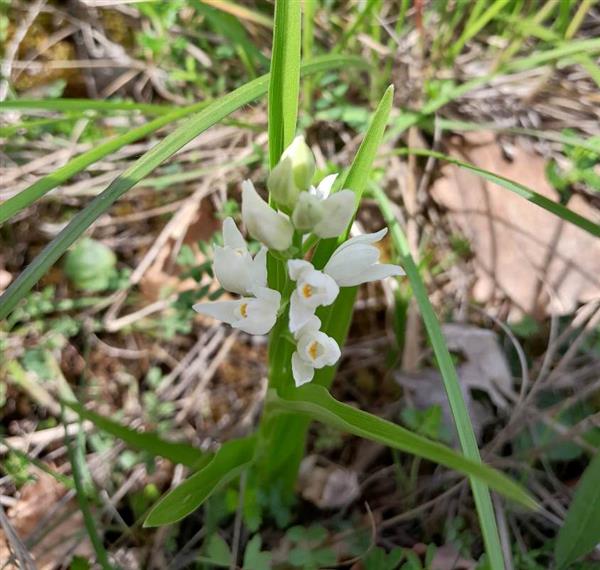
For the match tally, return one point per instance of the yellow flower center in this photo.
(313, 349)
(307, 291)
(244, 310)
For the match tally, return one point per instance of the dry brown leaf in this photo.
(483, 367)
(521, 252)
(162, 276)
(57, 546)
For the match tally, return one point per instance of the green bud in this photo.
(281, 185)
(303, 162)
(308, 212)
(292, 175)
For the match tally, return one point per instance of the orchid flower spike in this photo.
(325, 214)
(314, 350)
(262, 222)
(313, 289)
(234, 267)
(249, 314)
(355, 262)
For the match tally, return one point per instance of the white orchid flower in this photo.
(234, 266)
(314, 350)
(325, 214)
(249, 314)
(313, 289)
(262, 222)
(355, 262)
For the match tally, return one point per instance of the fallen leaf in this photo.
(521, 252)
(483, 367)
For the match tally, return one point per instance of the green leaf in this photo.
(226, 464)
(146, 441)
(84, 489)
(336, 318)
(581, 531)
(218, 550)
(209, 116)
(553, 207)
(464, 427)
(284, 86)
(316, 402)
(70, 105)
(254, 558)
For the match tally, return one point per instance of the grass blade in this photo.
(466, 435)
(209, 116)
(83, 487)
(145, 441)
(70, 105)
(284, 86)
(316, 402)
(42, 186)
(226, 464)
(553, 207)
(581, 530)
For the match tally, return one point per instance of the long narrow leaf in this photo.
(145, 441)
(284, 86)
(227, 464)
(83, 487)
(316, 402)
(466, 435)
(553, 207)
(209, 116)
(69, 105)
(42, 186)
(336, 319)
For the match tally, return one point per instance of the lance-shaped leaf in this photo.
(226, 464)
(316, 402)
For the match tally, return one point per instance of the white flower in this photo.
(327, 215)
(234, 267)
(262, 222)
(314, 350)
(292, 174)
(313, 289)
(249, 314)
(355, 262)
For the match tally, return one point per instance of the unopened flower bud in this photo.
(262, 222)
(293, 174)
(308, 212)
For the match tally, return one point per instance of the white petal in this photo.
(232, 236)
(263, 223)
(311, 326)
(350, 266)
(324, 188)
(332, 351)
(223, 310)
(270, 296)
(300, 313)
(325, 288)
(259, 322)
(302, 371)
(381, 271)
(258, 270)
(296, 267)
(364, 239)
(233, 270)
(337, 213)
